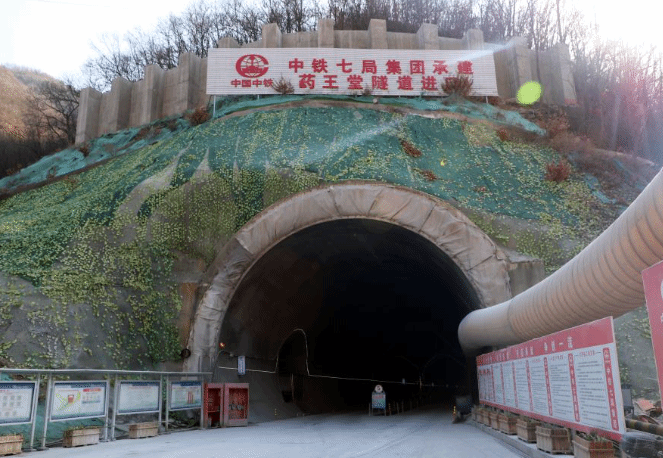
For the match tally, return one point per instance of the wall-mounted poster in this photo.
(16, 400)
(138, 397)
(185, 395)
(74, 400)
(570, 378)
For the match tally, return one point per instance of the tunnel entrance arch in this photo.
(347, 232)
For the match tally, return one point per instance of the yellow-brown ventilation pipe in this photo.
(602, 280)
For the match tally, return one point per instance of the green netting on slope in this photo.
(229, 105)
(35, 226)
(114, 144)
(99, 149)
(458, 161)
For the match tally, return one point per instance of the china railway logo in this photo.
(252, 66)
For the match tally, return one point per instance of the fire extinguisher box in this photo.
(236, 404)
(212, 407)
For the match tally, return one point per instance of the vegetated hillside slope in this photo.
(13, 98)
(16, 86)
(100, 268)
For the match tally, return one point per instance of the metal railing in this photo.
(117, 376)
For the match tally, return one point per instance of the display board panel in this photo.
(381, 72)
(185, 395)
(652, 279)
(75, 400)
(570, 378)
(138, 397)
(16, 402)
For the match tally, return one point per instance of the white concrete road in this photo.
(419, 433)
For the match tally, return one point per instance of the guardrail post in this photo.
(160, 400)
(167, 400)
(47, 408)
(105, 439)
(35, 400)
(116, 395)
(202, 398)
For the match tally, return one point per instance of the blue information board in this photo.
(379, 400)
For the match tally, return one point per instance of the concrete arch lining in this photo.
(483, 264)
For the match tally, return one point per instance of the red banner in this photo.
(652, 279)
(570, 378)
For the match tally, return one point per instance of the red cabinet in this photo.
(236, 404)
(212, 405)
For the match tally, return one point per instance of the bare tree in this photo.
(52, 111)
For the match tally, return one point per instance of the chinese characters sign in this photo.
(569, 378)
(71, 400)
(652, 279)
(346, 71)
(16, 399)
(139, 397)
(185, 395)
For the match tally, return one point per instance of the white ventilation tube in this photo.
(603, 280)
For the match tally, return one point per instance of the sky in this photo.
(54, 36)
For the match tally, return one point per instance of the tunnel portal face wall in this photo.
(482, 265)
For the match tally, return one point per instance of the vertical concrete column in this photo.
(181, 85)
(326, 33)
(87, 124)
(377, 34)
(201, 97)
(147, 96)
(193, 64)
(519, 63)
(271, 36)
(473, 39)
(563, 85)
(227, 42)
(427, 37)
(115, 107)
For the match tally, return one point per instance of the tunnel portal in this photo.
(339, 288)
(352, 299)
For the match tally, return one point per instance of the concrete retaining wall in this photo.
(165, 93)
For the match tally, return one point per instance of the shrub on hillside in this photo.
(199, 116)
(409, 148)
(566, 142)
(558, 172)
(457, 85)
(283, 87)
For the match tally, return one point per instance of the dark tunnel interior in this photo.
(352, 299)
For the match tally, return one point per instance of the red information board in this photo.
(570, 378)
(652, 278)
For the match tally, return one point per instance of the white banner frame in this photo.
(77, 386)
(182, 385)
(8, 386)
(343, 71)
(149, 383)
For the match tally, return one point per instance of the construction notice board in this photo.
(569, 378)
(652, 278)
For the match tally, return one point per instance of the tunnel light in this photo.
(222, 345)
